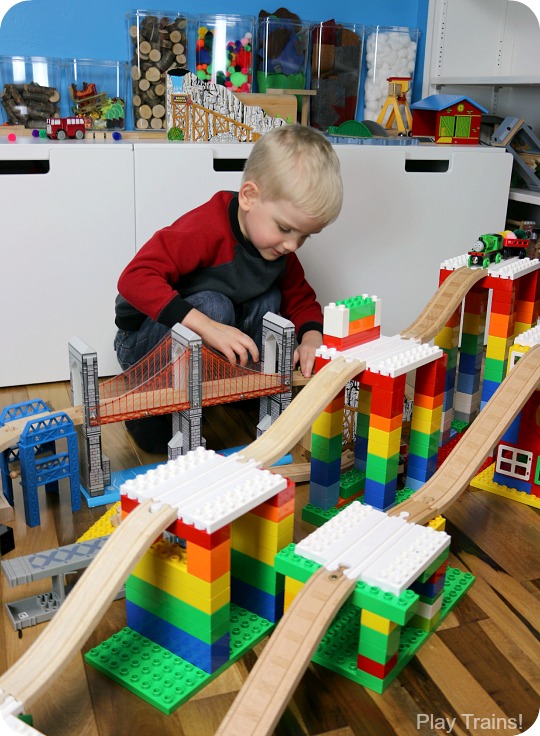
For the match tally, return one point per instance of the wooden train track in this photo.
(285, 663)
(453, 477)
(69, 628)
(271, 683)
(444, 303)
(265, 694)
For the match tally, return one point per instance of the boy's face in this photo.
(275, 228)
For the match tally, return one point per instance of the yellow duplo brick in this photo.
(376, 622)
(474, 324)
(448, 337)
(384, 444)
(261, 538)
(218, 595)
(328, 424)
(292, 588)
(521, 327)
(426, 420)
(438, 523)
(156, 568)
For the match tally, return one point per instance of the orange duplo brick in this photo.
(208, 564)
(274, 513)
(526, 312)
(501, 325)
(429, 402)
(384, 423)
(362, 324)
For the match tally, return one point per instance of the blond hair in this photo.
(298, 164)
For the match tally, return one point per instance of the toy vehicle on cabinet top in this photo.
(493, 247)
(62, 128)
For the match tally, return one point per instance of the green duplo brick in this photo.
(351, 483)
(358, 307)
(378, 654)
(287, 562)
(161, 678)
(207, 627)
(396, 608)
(256, 573)
(387, 644)
(495, 369)
(472, 344)
(316, 515)
(362, 425)
(382, 469)
(424, 445)
(325, 449)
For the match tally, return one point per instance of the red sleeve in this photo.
(298, 299)
(199, 239)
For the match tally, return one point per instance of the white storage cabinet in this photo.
(66, 234)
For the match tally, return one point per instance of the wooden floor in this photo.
(481, 667)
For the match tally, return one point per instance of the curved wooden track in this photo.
(66, 633)
(444, 303)
(268, 688)
(97, 588)
(265, 694)
(453, 477)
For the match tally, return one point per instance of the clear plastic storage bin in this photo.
(96, 91)
(390, 52)
(336, 67)
(30, 90)
(224, 50)
(283, 54)
(158, 42)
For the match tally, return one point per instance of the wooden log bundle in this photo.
(159, 44)
(30, 104)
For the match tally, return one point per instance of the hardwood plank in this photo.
(491, 672)
(511, 590)
(463, 691)
(486, 519)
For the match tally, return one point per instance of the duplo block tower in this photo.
(352, 327)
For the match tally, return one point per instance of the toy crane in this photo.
(396, 100)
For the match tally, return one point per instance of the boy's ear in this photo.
(249, 192)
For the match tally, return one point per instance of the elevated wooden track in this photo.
(268, 688)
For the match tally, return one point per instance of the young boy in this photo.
(219, 268)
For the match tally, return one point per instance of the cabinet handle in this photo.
(38, 166)
(229, 164)
(428, 165)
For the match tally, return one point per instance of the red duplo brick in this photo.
(375, 668)
(198, 536)
(359, 338)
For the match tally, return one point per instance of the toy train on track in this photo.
(495, 247)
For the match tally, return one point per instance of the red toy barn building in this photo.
(447, 119)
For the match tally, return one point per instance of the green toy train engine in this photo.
(494, 247)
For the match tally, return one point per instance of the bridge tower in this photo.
(95, 469)
(186, 424)
(277, 357)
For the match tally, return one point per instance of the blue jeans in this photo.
(132, 345)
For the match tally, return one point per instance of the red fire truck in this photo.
(62, 128)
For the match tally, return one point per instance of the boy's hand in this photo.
(305, 352)
(232, 342)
